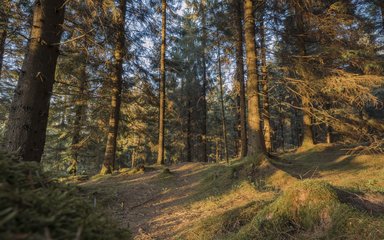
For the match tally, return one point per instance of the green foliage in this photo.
(33, 207)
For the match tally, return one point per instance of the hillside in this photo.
(318, 194)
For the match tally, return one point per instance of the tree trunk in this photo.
(27, 123)
(160, 155)
(204, 90)
(189, 133)
(254, 133)
(4, 11)
(264, 83)
(116, 80)
(80, 104)
(307, 139)
(240, 86)
(223, 120)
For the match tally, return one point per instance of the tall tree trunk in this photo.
(264, 83)
(254, 134)
(4, 14)
(80, 104)
(27, 123)
(189, 133)
(205, 82)
(160, 154)
(240, 86)
(223, 120)
(307, 139)
(116, 80)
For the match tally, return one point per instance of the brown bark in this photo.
(4, 11)
(240, 86)
(223, 119)
(254, 133)
(27, 123)
(307, 139)
(204, 90)
(264, 83)
(160, 155)
(116, 80)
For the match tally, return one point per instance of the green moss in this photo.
(311, 210)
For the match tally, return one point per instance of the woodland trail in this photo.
(155, 205)
(159, 204)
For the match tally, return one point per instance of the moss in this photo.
(310, 210)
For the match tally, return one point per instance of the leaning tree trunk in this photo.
(254, 133)
(264, 83)
(240, 86)
(116, 80)
(223, 118)
(4, 14)
(205, 83)
(27, 123)
(160, 154)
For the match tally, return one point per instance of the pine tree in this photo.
(160, 154)
(116, 81)
(28, 117)
(254, 133)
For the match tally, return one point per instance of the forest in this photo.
(192, 119)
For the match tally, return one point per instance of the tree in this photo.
(240, 86)
(254, 133)
(28, 116)
(223, 118)
(160, 154)
(203, 5)
(264, 82)
(116, 81)
(4, 12)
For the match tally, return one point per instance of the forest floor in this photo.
(162, 204)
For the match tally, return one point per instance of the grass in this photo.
(287, 199)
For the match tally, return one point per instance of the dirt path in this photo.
(152, 206)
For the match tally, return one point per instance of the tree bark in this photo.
(223, 119)
(254, 133)
(240, 85)
(160, 155)
(80, 105)
(27, 123)
(264, 83)
(116, 80)
(189, 132)
(4, 11)
(307, 139)
(204, 90)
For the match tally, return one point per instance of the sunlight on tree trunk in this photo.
(160, 152)
(116, 81)
(254, 133)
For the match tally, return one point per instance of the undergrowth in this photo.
(301, 209)
(34, 207)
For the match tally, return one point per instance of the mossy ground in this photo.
(321, 193)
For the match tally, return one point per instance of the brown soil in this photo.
(154, 207)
